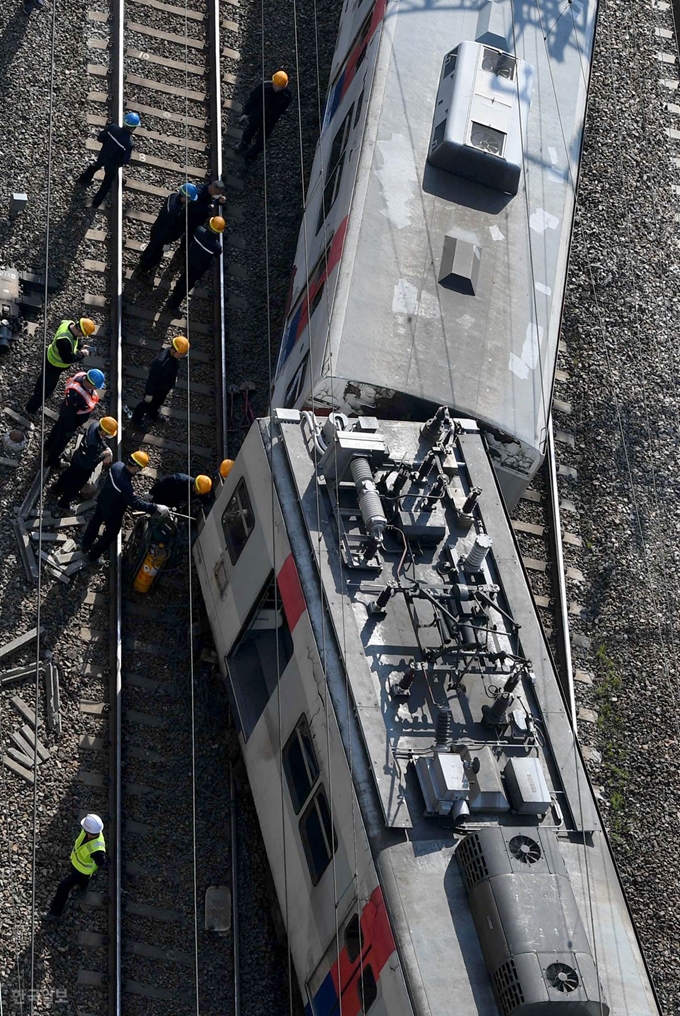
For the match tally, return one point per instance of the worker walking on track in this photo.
(175, 491)
(203, 248)
(169, 226)
(92, 450)
(117, 495)
(79, 403)
(87, 856)
(116, 151)
(61, 353)
(161, 380)
(265, 105)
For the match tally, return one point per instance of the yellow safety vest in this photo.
(81, 855)
(62, 332)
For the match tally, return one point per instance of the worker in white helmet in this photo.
(88, 854)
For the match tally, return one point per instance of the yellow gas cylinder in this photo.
(151, 565)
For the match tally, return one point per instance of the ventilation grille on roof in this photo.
(471, 860)
(562, 977)
(501, 64)
(508, 990)
(524, 849)
(487, 139)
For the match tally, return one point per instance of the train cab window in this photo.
(353, 938)
(318, 835)
(259, 658)
(367, 988)
(299, 764)
(238, 521)
(336, 162)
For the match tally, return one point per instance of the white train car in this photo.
(432, 257)
(432, 834)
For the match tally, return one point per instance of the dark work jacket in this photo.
(171, 219)
(162, 374)
(275, 103)
(172, 491)
(117, 145)
(203, 248)
(202, 209)
(117, 494)
(91, 449)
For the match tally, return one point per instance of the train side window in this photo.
(367, 988)
(317, 835)
(299, 764)
(357, 115)
(238, 521)
(336, 162)
(295, 387)
(353, 938)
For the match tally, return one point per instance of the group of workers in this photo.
(191, 214)
(81, 397)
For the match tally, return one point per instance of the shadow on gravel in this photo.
(10, 44)
(69, 231)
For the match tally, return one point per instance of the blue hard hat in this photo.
(189, 191)
(96, 378)
(131, 120)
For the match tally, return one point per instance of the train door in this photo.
(347, 981)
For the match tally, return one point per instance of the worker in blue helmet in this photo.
(80, 400)
(116, 151)
(169, 225)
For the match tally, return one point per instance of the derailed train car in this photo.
(432, 834)
(432, 258)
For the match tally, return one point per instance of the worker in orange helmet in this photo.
(205, 246)
(117, 495)
(161, 380)
(265, 105)
(61, 353)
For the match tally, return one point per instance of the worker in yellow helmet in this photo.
(92, 450)
(264, 107)
(87, 856)
(61, 353)
(117, 495)
(161, 380)
(179, 489)
(205, 246)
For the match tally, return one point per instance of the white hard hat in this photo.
(92, 824)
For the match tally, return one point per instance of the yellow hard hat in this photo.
(140, 459)
(202, 484)
(217, 224)
(181, 345)
(225, 467)
(109, 425)
(280, 79)
(87, 326)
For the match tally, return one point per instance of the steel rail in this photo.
(116, 408)
(217, 164)
(565, 669)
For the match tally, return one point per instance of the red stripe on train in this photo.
(291, 592)
(377, 947)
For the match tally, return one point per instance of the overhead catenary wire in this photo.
(41, 498)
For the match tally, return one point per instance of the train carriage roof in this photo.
(490, 355)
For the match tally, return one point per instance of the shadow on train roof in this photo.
(557, 18)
